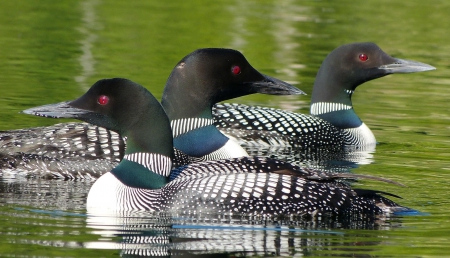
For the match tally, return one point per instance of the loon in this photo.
(332, 123)
(197, 82)
(200, 80)
(82, 150)
(246, 185)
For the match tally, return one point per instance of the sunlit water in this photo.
(53, 51)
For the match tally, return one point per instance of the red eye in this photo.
(103, 100)
(363, 57)
(236, 69)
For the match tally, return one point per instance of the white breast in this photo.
(361, 135)
(104, 194)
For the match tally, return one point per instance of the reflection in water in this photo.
(150, 234)
(159, 235)
(87, 29)
(239, 25)
(137, 233)
(320, 158)
(44, 194)
(284, 32)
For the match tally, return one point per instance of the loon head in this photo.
(207, 76)
(122, 106)
(351, 65)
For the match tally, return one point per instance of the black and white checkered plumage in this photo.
(253, 125)
(253, 186)
(332, 122)
(67, 150)
(245, 185)
(199, 80)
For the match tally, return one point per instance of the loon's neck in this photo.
(331, 99)
(144, 170)
(148, 157)
(194, 131)
(197, 137)
(338, 114)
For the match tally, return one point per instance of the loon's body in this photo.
(197, 82)
(332, 122)
(246, 185)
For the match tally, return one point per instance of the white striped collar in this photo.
(160, 164)
(327, 107)
(184, 125)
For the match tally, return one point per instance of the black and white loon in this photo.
(247, 185)
(333, 122)
(197, 82)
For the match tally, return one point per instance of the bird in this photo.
(197, 82)
(82, 150)
(332, 122)
(200, 80)
(244, 185)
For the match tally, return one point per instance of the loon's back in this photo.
(254, 125)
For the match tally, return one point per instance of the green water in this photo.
(54, 50)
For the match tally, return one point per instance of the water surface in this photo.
(53, 51)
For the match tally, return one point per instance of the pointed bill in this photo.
(274, 86)
(406, 66)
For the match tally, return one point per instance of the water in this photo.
(53, 51)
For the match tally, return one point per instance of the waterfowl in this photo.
(332, 122)
(197, 82)
(246, 185)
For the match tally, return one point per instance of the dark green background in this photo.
(52, 51)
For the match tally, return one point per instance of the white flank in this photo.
(109, 194)
(231, 149)
(103, 195)
(361, 135)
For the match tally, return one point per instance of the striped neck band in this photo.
(184, 125)
(160, 164)
(327, 107)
